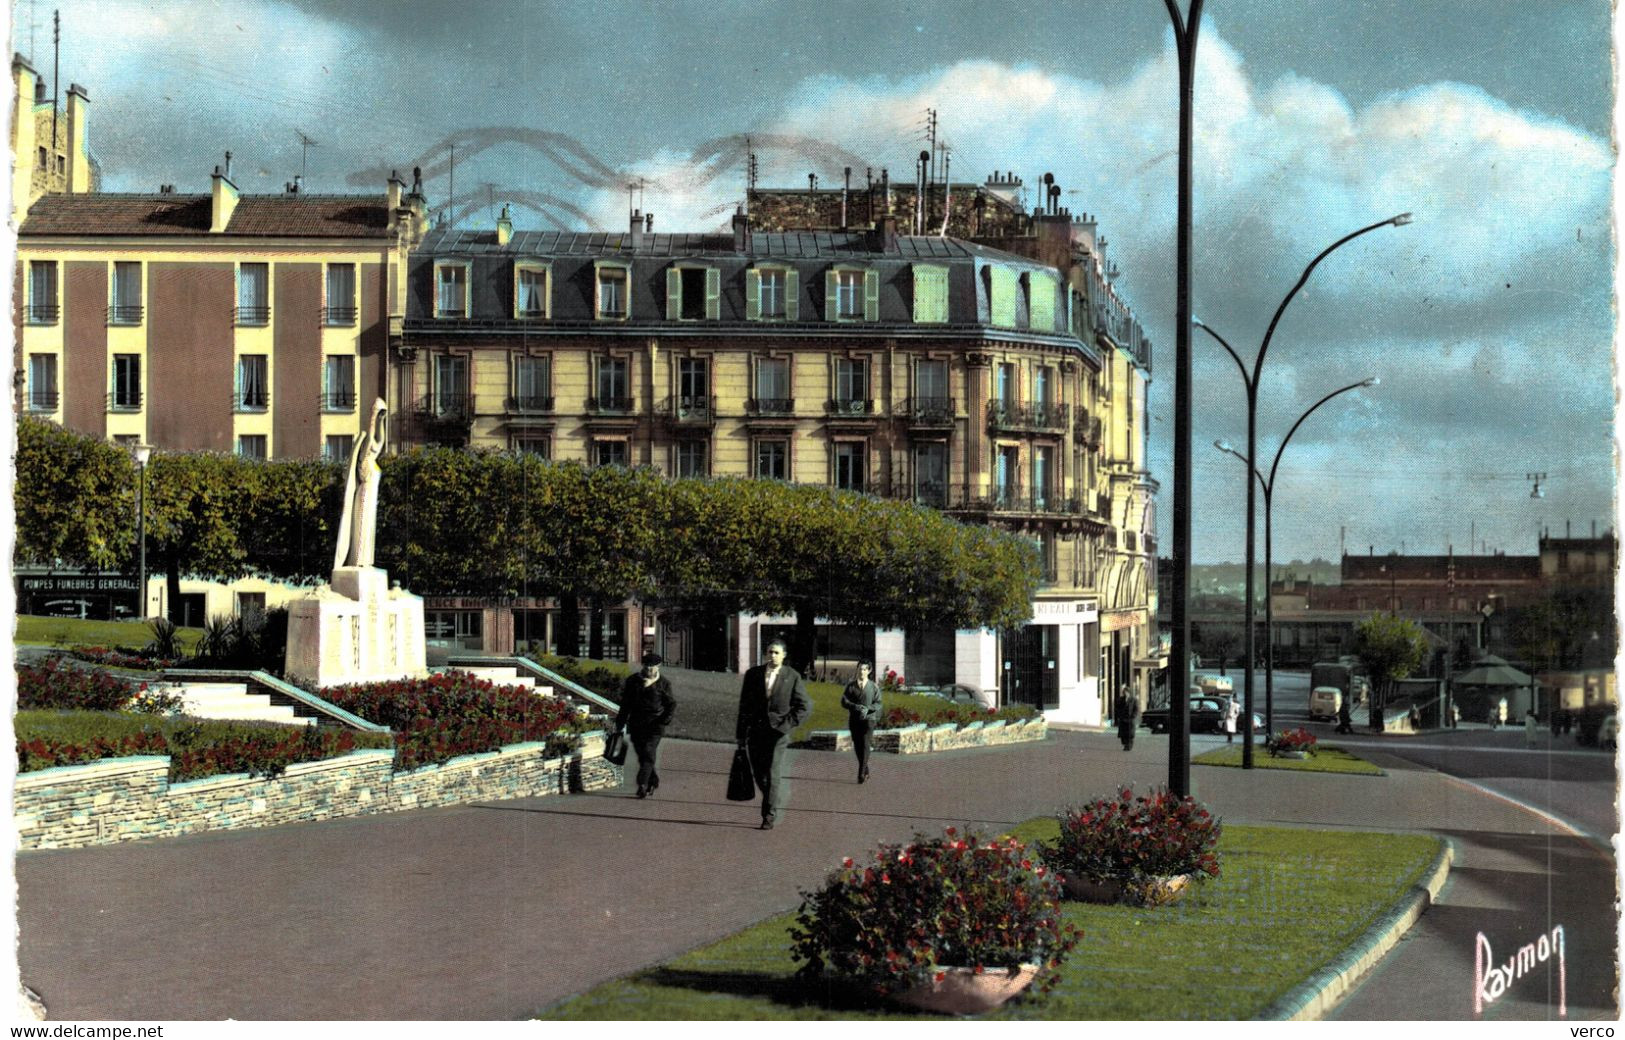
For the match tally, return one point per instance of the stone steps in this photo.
(231, 702)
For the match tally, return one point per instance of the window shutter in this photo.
(674, 294)
(871, 295)
(713, 293)
(753, 295)
(792, 295)
(831, 309)
(1042, 317)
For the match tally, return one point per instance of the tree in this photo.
(1391, 648)
(75, 498)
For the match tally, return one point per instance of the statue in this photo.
(358, 527)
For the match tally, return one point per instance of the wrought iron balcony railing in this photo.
(338, 315)
(1011, 499)
(124, 401)
(43, 313)
(771, 405)
(530, 403)
(929, 411)
(690, 408)
(850, 406)
(1007, 415)
(41, 400)
(250, 401)
(609, 405)
(259, 315)
(445, 407)
(124, 314)
(338, 401)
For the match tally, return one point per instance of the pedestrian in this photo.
(773, 701)
(1530, 724)
(1345, 713)
(861, 699)
(1127, 713)
(646, 710)
(1568, 721)
(1557, 723)
(1232, 714)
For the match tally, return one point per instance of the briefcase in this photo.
(615, 747)
(741, 784)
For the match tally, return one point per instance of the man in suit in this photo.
(646, 708)
(773, 701)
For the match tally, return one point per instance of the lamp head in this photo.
(1373, 381)
(143, 452)
(1401, 220)
(1197, 322)
(1223, 445)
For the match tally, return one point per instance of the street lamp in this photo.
(1250, 378)
(143, 452)
(1268, 484)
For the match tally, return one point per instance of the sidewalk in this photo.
(494, 911)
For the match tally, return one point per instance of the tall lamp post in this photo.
(1250, 378)
(143, 452)
(1268, 484)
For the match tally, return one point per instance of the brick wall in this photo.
(125, 799)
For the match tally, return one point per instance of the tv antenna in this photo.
(1536, 478)
(306, 143)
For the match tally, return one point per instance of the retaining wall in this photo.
(124, 799)
(921, 739)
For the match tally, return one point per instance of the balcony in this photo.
(860, 407)
(445, 408)
(687, 410)
(41, 400)
(1085, 429)
(338, 315)
(43, 313)
(771, 407)
(530, 404)
(124, 314)
(124, 401)
(338, 401)
(251, 401)
(260, 315)
(609, 405)
(924, 412)
(985, 498)
(1008, 415)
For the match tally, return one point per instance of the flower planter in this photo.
(962, 991)
(1155, 892)
(1292, 754)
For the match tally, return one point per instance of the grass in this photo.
(1326, 759)
(73, 632)
(1287, 902)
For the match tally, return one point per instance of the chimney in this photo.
(648, 223)
(846, 189)
(504, 227)
(885, 233)
(78, 140)
(392, 193)
(636, 240)
(919, 192)
(224, 199)
(741, 225)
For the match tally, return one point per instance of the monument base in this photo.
(355, 629)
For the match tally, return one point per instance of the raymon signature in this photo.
(1491, 980)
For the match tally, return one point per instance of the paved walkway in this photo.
(496, 910)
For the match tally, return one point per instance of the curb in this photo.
(1311, 999)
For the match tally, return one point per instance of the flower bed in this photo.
(1289, 741)
(934, 903)
(958, 714)
(53, 683)
(453, 713)
(122, 657)
(1135, 841)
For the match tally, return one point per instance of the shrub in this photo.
(959, 714)
(122, 657)
(452, 713)
(53, 683)
(936, 902)
(1293, 740)
(1136, 839)
(891, 682)
(602, 679)
(165, 643)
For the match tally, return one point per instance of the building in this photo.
(50, 140)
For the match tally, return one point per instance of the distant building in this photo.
(50, 140)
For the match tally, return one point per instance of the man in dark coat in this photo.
(646, 709)
(1127, 713)
(1345, 714)
(773, 701)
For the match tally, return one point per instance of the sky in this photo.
(1488, 321)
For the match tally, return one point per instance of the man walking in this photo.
(773, 701)
(1345, 714)
(646, 709)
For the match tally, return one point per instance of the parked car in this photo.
(1324, 702)
(1206, 713)
(1215, 685)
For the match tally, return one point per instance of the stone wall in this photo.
(123, 799)
(921, 739)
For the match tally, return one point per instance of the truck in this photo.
(1346, 675)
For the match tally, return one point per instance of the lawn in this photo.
(1326, 759)
(72, 632)
(1288, 901)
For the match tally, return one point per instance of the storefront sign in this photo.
(1117, 620)
(75, 583)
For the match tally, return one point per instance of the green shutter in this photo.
(674, 294)
(830, 309)
(753, 295)
(713, 293)
(792, 296)
(1042, 317)
(871, 296)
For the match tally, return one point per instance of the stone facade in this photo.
(125, 799)
(922, 739)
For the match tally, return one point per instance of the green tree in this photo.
(1391, 648)
(197, 502)
(75, 498)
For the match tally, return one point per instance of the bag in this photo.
(741, 783)
(615, 747)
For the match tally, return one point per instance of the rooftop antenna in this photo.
(491, 200)
(451, 186)
(306, 143)
(750, 175)
(1535, 492)
(56, 72)
(33, 17)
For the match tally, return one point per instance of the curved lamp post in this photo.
(1268, 484)
(1251, 380)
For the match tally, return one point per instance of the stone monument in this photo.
(356, 628)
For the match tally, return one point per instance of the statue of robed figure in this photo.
(358, 527)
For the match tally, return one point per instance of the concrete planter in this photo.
(962, 991)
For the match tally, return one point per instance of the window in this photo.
(531, 444)
(773, 385)
(530, 299)
(930, 294)
(850, 465)
(693, 293)
(336, 447)
(1043, 473)
(451, 290)
(251, 606)
(1005, 385)
(852, 385)
(128, 441)
(126, 381)
(612, 293)
(693, 385)
(1002, 289)
(340, 294)
(609, 453)
(931, 474)
(446, 627)
(451, 385)
(613, 383)
(126, 306)
(691, 456)
(1044, 393)
(42, 396)
(772, 460)
(847, 294)
(1007, 475)
(253, 294)
(533, 384)
(251, 445)
(771, 294)
(44, 158)
(338, 383)
(931, 386)
(253, 383)
(42, 302)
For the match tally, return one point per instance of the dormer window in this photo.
(451, 290)
(771, 294)
(613, 283)
(930, 294)
(531, 299)
(852, 294)
(693, 294)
